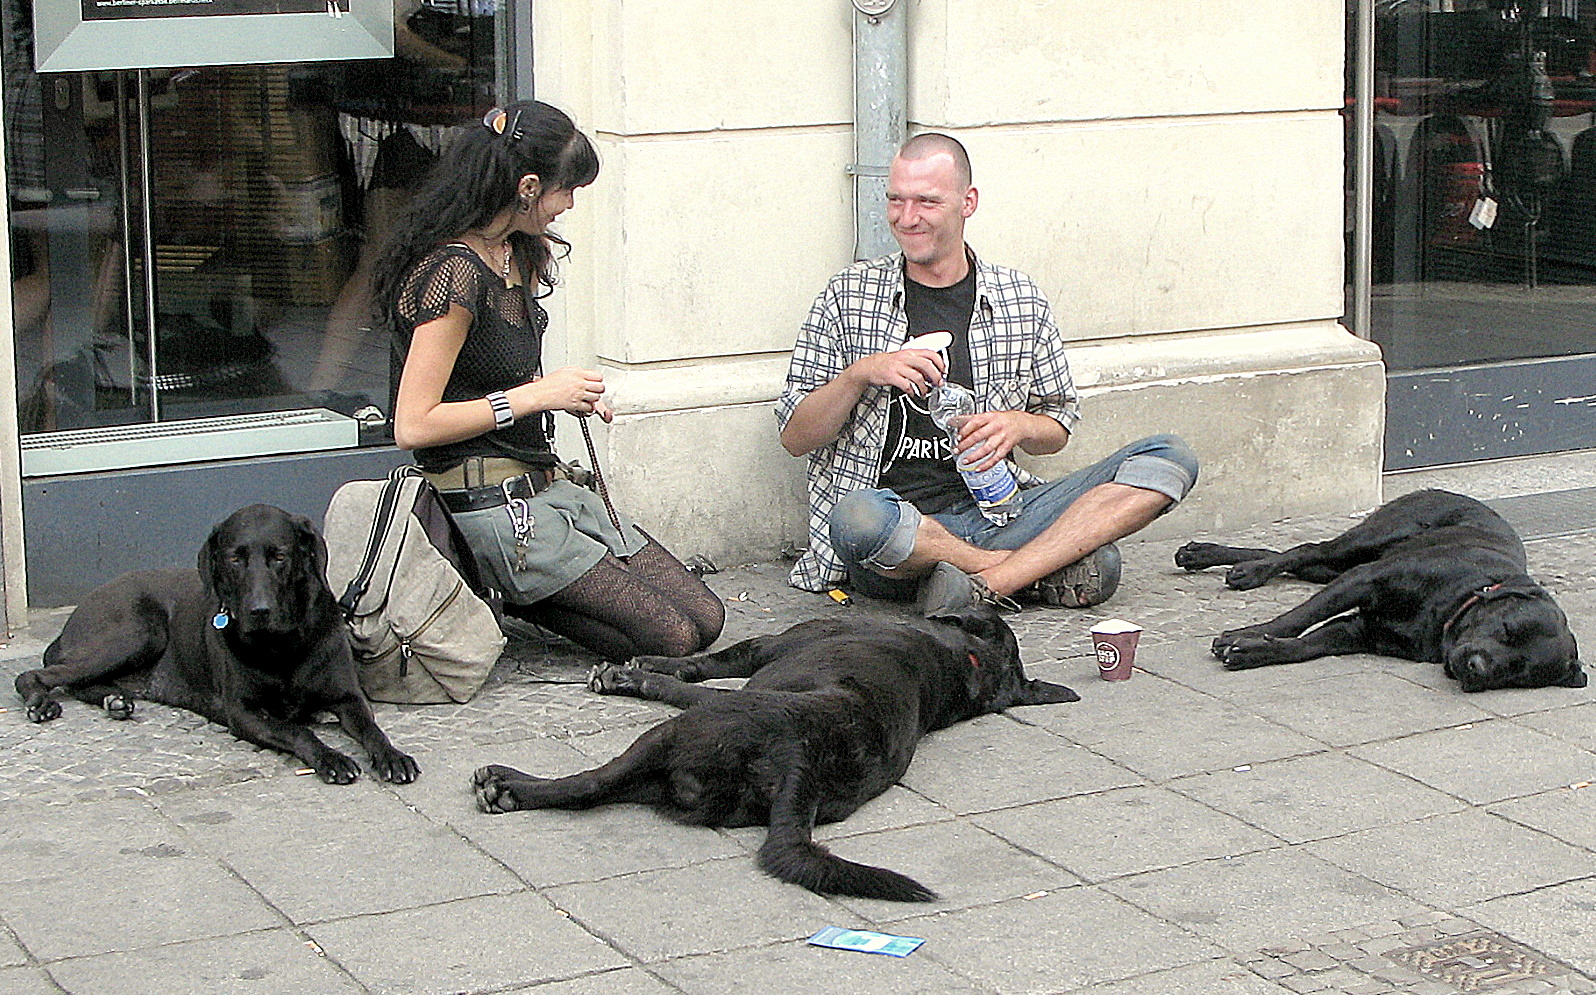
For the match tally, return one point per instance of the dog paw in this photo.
(491, 785)
(1247, 652)
(117, 706)
(335, 768)
(1223, 642)
(1246, 576)
(396, 767)
(1198, 556)
(43, 711)
(614, 678)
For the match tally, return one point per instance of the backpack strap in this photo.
(382, 521)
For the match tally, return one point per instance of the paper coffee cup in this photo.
(1115, 644)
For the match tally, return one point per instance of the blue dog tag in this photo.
(220, 620)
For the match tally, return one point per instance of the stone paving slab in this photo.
(1325, 795)
(1058, 941)
(274, 962)
(521, 940)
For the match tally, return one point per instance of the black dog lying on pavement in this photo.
(252, 641)
(1431, 576)
(828, 719)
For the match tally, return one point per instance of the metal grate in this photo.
(1551, 513)
(1477, 962)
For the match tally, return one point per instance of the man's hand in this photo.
(821, 415)
(990, 436)
(913, 371)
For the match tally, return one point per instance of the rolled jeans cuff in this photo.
(1154, 473)
(899, 542)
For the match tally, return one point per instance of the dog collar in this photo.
(1468, 602)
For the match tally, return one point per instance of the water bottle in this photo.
(996, 492)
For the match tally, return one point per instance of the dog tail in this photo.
(791, 854)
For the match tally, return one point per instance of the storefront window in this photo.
(268, 189)
(1484, 227)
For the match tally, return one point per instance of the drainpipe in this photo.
(880, 102)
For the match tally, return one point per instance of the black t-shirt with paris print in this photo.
(917, 460)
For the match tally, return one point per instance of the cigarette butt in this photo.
(301, 772)
(839, 596)
(1033, 896)
(1580, 784)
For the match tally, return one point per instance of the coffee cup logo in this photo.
(1107, 656)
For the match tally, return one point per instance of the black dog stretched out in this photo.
(1431, 576)
(252, 641)
(828, 719)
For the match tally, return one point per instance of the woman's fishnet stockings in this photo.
(648, 605)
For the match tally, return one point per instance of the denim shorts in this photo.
(876, 528)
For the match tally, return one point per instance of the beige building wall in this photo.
(1171, 175)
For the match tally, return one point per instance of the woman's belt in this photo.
(489, 481)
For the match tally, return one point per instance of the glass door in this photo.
(1483, 232)
(193, 244)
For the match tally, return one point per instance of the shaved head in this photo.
(930, 143)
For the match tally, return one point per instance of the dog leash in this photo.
(598, 476)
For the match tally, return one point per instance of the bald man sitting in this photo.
(889, 513)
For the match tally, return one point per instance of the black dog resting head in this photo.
(1511, 635)
(263, 567)
(995, 679)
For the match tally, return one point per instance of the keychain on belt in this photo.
(520, 521)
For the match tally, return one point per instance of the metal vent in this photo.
(1477, 962)
(194, 440)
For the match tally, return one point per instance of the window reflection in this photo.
(1484, 181)
(268, 185)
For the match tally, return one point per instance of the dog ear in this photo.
(210, 555)
(1045, 693)
(312, 548)
(981, 621)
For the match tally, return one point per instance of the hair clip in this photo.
(496, 120)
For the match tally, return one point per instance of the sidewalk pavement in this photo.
(1352, 825)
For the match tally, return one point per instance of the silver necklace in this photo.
(504, 256)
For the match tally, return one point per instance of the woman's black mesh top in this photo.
(504, 348)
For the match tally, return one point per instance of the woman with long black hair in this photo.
(458, 284)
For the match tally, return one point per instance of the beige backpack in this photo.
(421, 633)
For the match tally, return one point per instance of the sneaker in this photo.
(950, 590)
(1090, 580)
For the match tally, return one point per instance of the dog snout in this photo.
(1472, 669)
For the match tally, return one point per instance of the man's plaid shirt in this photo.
(1016, 357)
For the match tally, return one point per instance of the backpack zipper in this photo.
(405, 652)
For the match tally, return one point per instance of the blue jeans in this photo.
(875, 528)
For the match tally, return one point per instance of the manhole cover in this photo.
(1475, 962)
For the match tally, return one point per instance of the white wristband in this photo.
(503, 414)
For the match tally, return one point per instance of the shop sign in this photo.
(84, 35)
